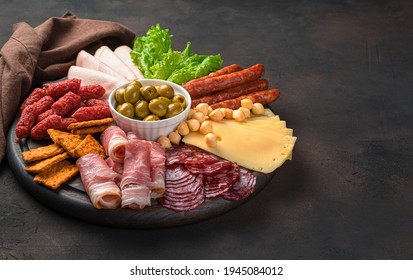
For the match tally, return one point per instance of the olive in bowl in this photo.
(149, 107)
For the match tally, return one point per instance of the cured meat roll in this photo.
(100, 181)
(157, 160)
(136, 178)
(114, 142)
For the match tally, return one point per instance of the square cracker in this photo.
(67, 140)
(57, 174)
(46, 163)
(89, 130)
(42, 152)
(89, 145)
(77, 125)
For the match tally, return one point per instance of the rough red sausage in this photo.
(36, 95)
(231, 93)
(44, 115)
(66, 122)
(225, 81)
(263, 97)
(95, 102)
(225, 70)
(58, 89)
(29, 116)
(66, 104)
(39, 131)
(91, 91)
(92, 113)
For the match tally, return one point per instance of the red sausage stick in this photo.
(211, 84)
(231, 93)
(58, 89)
(263, 97)
(224, 70)
(34, 96)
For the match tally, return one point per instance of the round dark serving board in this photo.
(73, 202)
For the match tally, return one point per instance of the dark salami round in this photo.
(243, 188)
(66, 104)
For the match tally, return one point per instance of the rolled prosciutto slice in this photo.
(114, 142)
(157, 160)
(136, 178)
(99, 181)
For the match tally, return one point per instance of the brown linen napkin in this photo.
(45, 53)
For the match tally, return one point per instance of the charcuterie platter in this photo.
(140, 142)
(75, 203)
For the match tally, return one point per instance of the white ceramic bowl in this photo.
(150, 130)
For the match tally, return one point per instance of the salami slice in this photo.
(243, 188)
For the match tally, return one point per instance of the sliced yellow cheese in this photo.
(259, 148)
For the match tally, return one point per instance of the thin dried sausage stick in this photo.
(58, 89)
(92, 113)
(231, 93)
(66, 104)
(29, 115)
(263, 97)
(39, 131)
(225, 70)
(225, 81)
(35, 96)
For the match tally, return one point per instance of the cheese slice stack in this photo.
(261, 143)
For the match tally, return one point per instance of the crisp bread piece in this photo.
(57, 174)
(90, 123)
(46, 163)
(41, 153)
(89, 145)
(67, 140)
(89, 130)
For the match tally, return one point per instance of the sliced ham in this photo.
(114, 142)
(136, 178)
(100, 181)
(93, 77)
(86, 60)
(123, 52)
(107, 56)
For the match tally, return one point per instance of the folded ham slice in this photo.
(136, 177)
(123, 52)
(100, 181)
(107, 56)
(93, 77)
(86, 60)
(114, 142)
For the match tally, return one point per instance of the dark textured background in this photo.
(345, 70)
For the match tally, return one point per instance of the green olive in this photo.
(126, 109)
(149, 92)
(132, 94)
(179, 98)
(166, 100)
(142, 109)
(173, 110)
(158, 107)
(136, 83)
(151, 117)
(166, 91)
(120, 95)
